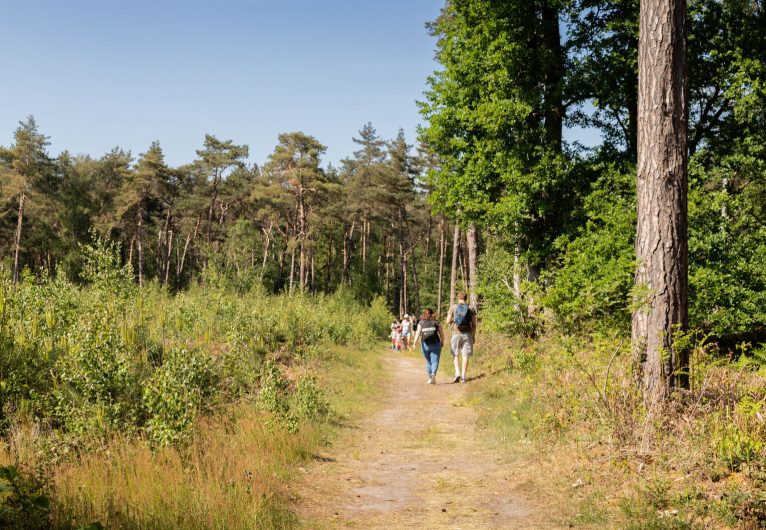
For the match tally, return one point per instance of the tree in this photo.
(661, 234)
(295, 166)
(27, 170)
(140, 194)
(495, 114)
(215, 159)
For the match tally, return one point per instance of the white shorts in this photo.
(462, 343)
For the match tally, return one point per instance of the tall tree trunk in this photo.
(130, 252)
(415, 281)
(168, 253)
(266, 244)
(388, 268)
(402, 266)
(364, 247)
(661, 233)
(292, 270)
(455, 256)
(553, 72)
(473, 269)
(214, 193)
(140, 238)
(442, 251)
(17, 238)
(330, 246)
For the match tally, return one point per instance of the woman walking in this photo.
(430, 331)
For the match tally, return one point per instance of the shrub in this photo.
(177, 392)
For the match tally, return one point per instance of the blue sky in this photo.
(96, 74)
(106, 73)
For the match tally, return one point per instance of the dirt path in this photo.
(420, 462)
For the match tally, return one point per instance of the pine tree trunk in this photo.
(415, 281)
(292, 270)
(553, 72)
(266, 243)
(130, 252)
(661, 234)
(168, 253)
(364, 247)
(442, 249)
(140, 242)
(17, 238)
(455, 256)
(189, 239)
(473, 266)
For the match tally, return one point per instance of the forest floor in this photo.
(422, 460)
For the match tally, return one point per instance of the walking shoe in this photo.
(462, 379)
(457, 379)
(431, 380)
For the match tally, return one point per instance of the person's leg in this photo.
(466, 350)
(427, 356)
(455, 347)
(435, 354)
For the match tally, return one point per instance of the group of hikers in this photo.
(461, 319)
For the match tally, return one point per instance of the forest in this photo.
(147, 309)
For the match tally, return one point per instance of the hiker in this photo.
(430, 331)
(406, 332)
(462, 321)
(394, 325)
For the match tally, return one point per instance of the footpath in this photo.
(421, 461)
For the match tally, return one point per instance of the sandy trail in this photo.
(420, 462)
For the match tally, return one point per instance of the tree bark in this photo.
(140, 242)
(442, 249)
(473, 265)
(455, 256)
(553, 72)
(17, 238)
(661, 232)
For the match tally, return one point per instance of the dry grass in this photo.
(233, 474)
(695, 462)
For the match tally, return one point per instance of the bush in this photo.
(177, 392)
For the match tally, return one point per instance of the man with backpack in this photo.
(462, 321)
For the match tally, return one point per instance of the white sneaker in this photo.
(431, 380)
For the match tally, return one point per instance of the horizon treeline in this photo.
(289, 225)
(493, 200)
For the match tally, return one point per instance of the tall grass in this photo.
(696, 461)
(139, 408)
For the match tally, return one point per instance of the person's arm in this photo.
(474, 323)
(417, 336)
(441, 333)
(450, 315)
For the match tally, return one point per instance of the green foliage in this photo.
(180, 389)
(90, 362)
(24, 499)
(591, 285)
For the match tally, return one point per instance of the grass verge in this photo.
(568, 410)
(233, 474)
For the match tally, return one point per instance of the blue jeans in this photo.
(431, 352)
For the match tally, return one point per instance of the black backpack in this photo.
(429, 330)
(463, 317)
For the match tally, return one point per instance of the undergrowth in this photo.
(571, 405)
(128, 407)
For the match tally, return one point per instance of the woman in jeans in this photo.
(430, 331)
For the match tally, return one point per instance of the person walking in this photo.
(407, 333)
(462, 321)
(430, 331)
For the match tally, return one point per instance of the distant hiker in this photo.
(462, 321)
(394, 339)
(430, 331)
(406, 332)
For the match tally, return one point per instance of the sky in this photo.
(97, 74)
